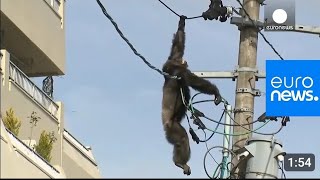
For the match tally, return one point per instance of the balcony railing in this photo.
(33, 90)
(79, 146)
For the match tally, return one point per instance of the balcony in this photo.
(22, 82)
(34, 32)
(78, 158)
(24, 97)
(24, 162)
(70, 159)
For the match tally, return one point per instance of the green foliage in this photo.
(45, 144)
(11, 122)
(46, 140)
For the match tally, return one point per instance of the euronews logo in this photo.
(292, 87)
(279, 15)
(301, 89)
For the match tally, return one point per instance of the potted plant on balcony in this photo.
(11, 122)
(45, 144)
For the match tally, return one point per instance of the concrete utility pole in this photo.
(246, 74)
(244, 102)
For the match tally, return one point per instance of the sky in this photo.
(113, 100)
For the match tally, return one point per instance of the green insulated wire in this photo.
(240, 133)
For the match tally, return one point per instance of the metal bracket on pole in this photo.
(254, 92)
(214, 74)
(225, 74)
(243, 110)
(307, 29)
(239, 21)
(249, 69)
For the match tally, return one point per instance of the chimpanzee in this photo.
(173, 109)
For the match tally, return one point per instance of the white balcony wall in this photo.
(69, 156)
(78, 160)
(34, 31)
(19, 161)
(20, 94)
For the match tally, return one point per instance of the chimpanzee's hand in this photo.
(182, 22)
(217, 100)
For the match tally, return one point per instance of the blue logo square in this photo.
(292, 87)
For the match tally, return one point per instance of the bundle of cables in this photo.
(196, 115)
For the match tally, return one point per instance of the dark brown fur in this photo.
(173, 109)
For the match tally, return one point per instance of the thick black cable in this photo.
(219, 122)
(229, 124)
(195, 17)
(228, 169)
(255, 131)
(214, 131)
(168, 8)
(176, 12)
(205, 134)
(130, 45)
(236, 123)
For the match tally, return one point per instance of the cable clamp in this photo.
(237, 110)
(245, 69)
(243, 22)
(254, 92)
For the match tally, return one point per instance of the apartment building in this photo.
(32, 37)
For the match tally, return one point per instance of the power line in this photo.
(131, 46)
(204, 116)
(214, 130)
(192, 111)
(176, 12)
(169, 8)
(164, 73)
(259, 30)
(255, 131)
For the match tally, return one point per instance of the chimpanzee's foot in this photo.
(185, 167)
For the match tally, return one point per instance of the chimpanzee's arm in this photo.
(178, 41)
(200, 84)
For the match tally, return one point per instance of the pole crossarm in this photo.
(307, 29)
(224, 74)
(239, 21)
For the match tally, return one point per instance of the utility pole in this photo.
(244, 101)
(246, 74)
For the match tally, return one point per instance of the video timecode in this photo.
(299, 162)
